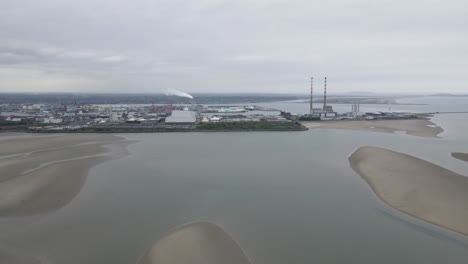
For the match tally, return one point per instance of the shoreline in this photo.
(415, 187)
(44, 173)
(241, 126)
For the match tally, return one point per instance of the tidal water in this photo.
(285, 197)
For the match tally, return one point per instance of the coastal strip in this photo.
(44, 173)
(197, 243)
(415, 187)
(460, 156)
(237, 126)
(413, 127)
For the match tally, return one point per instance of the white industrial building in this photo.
(182, 117)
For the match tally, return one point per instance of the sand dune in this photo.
(414, 186)
(460, 156)
(43, 173)
(419, 127)
(199, 243)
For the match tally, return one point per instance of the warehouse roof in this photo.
(179, 116)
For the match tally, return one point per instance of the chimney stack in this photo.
(311, 95)
(325, 95)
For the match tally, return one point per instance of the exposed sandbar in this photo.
(199, 243)
(46, 172)
(460, 156)
(414, 127)
(414, 186)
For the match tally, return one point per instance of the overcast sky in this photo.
(233, 46)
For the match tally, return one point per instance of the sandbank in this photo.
(198, 243)
(414, 186)
(414, 127)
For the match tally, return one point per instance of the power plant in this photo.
(325, 95)
(324, 113)
(311, 95)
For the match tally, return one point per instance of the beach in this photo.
(413, 127)
(197, 243)
(43, 173)
(460, 156)
(415, 187)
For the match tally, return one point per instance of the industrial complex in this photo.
(176, 117)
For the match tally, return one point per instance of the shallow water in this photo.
(285, 197)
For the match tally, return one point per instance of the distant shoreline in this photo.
(421, 126)
(263, 126)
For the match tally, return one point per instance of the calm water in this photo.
(285, 197)
(421, 104)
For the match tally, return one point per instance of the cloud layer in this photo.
(233, 46)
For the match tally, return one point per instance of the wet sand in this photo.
(414, 186)
(418, 127)
(460, 156)
(44, 173)
(198, 243)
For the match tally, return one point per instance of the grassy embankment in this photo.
(207, 127)
(251, 126)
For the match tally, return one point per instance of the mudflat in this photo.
(414, 186)
(414, 127)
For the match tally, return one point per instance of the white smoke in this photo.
(169, 91)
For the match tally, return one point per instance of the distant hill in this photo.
(359, 93)
(448, 95)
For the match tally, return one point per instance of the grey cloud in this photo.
(36, 53)
(237, 46)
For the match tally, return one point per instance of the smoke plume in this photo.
(177, 93)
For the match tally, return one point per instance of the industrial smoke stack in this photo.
(311, 94)
(325, 95)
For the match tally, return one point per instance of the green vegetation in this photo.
(113, 129)
(206, 127)
(251, 126)
(13, 128)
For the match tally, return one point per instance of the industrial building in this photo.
(182, 117)
(324, 113)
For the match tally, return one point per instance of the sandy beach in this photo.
(460, 156)
(43, 173)
(417, 127)
(414, 186)
(198, 243)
